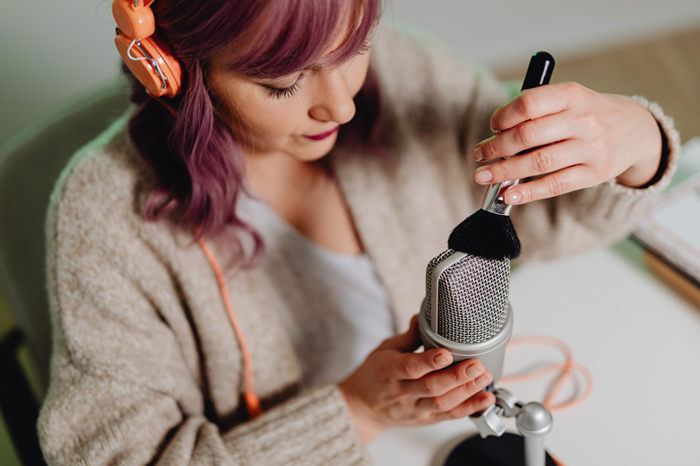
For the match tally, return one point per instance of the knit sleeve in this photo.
(127, 384)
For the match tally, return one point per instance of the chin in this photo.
(316, 150)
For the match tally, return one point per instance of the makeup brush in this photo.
(489, 232)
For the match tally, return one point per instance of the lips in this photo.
(320, 136)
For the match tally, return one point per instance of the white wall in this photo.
(495, 31)
(50, 50)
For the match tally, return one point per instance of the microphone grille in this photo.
(472, 297)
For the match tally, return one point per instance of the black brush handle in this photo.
(539, 72)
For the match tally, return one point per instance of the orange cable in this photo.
(567, 368)
(251, 400)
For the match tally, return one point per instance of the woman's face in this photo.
(298, 114)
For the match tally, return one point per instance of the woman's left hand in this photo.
(577, 138)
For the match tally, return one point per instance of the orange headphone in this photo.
(155, 67)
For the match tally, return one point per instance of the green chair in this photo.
(30, 162)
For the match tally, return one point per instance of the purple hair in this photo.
(197, 163)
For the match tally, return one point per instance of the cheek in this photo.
(265, 118)
(250, 114)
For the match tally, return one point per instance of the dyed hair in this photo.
(197, 163)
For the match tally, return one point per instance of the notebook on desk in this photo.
(670, 233)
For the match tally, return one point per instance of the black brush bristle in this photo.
(485, 234)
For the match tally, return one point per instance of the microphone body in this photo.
(466, 308)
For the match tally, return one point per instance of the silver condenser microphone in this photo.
(466, 308)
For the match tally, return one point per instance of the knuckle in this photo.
(592, 124)
(556, 186)
(458, 413)
(526, 105)
(430, 385)
(572, 87)
(395, 412)
(488, 150)
(424, 417)
(452, 378)
(386, 396)
(543, 161)
(397, 397)
(384, 371)
(455, 413)
(499, 172)
(525, 134)
(408, 368)
(439, 404)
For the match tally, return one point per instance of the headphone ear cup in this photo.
(144, 71)
(136, 22)
(168, 64)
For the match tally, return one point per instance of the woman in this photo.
(351, 170)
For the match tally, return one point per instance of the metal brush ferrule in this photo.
(494, 201)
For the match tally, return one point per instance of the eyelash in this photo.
(364, 49)
(281, 92)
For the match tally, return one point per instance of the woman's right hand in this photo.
(396, 387)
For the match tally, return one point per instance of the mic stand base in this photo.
(506, 450)
(533, 421)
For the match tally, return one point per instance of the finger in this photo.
(407, 341)
(541, 161)
(440, 382)
(411, 366)
(536, 103)
(555, 184)
(478, 402)
(529, 134)
(456, 396)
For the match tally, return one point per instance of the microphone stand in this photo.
(495, 447)
(532, 419)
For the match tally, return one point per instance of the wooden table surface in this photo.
(664, 69)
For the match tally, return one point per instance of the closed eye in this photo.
(281, 92)
(284, 92)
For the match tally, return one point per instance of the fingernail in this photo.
(441, 360)
(486, 402)
(513, 197)
(483, 175)
(483, 380)
(473, 371)
(478, 154)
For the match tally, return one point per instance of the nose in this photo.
(334, 100)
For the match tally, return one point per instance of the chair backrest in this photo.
(30, 163)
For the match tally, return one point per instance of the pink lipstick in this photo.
(319, 137)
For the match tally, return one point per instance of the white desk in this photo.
(639, 339)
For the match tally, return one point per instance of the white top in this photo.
(339, 310)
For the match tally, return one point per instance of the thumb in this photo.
(407, 341)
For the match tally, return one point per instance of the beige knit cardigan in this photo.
(145, 365)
